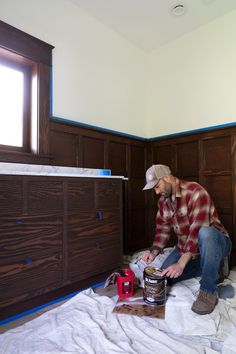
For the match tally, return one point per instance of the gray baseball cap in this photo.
(154, 174)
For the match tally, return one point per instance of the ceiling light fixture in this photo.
(178, 10)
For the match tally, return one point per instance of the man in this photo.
(186, 209)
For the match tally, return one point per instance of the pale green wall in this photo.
(101, 79)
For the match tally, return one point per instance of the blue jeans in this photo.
(214, 246)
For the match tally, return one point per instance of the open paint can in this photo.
(125, 283)
(154, 292)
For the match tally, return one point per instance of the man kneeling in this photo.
(186, 210)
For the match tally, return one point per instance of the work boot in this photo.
(205, 303)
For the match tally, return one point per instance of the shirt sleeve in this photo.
(162, 232)
(199, 209)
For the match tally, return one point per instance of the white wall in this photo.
(192, 81)
(101, 79)
(97, 75)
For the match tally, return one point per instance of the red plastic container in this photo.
(125, 284)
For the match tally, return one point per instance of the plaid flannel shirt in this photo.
(189, 209)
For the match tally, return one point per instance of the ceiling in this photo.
(149, 23)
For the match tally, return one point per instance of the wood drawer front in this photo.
(11, 196)
(22, 237)
(108, 194)
(20, 281)
(44, 195)
(85, 225)
(93, 255)
(80, 194)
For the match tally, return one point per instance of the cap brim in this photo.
(150, 185)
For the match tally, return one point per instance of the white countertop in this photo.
(7, 168)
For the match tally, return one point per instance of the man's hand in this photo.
(173, 271)
(148, 256)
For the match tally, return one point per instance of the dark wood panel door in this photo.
(80, 193)
(23, 237)
(11, 195)
(21, 280)
(108, 194)
(44, 195)
(93, 256)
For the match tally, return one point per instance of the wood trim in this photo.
(24, 44)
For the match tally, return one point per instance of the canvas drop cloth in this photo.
(85, 324)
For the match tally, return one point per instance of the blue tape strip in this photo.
(96, 127)
(35, 309)
(193, 131)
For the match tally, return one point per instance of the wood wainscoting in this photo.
(74, 145)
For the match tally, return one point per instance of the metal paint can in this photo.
(154, 292)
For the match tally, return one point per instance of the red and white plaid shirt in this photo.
(189, 209)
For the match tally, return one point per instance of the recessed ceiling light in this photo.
(178, 10)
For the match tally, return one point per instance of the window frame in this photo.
(36, 57)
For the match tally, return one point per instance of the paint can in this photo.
(125, 283)
(154, 292)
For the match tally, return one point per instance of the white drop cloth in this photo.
(85, 324)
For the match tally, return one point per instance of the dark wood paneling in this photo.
(117, 158)
(137, 227)
(206, 157)
(137, 162)
(162, 155)
(92, 152)
(64, 148)
(217, 154)
(187, 159)
(219, 187)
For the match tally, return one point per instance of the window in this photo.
(25, 64)
(15, 94)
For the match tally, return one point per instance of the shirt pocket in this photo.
(181, 222)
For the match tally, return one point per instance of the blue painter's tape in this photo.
(35, 309)
(104, 172)
(97, 128)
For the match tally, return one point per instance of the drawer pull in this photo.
(19, 222)
(100, 215)
(98, 245)
(28, 261)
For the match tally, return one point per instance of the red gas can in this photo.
(125, 283)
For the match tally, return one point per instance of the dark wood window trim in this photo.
(36, 56)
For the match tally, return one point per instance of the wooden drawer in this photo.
(24, 236)
(11, 195)
(86, 225)
(94, 255)
(44, 195)
(80, 194)
(20, 280)
(108, 194)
